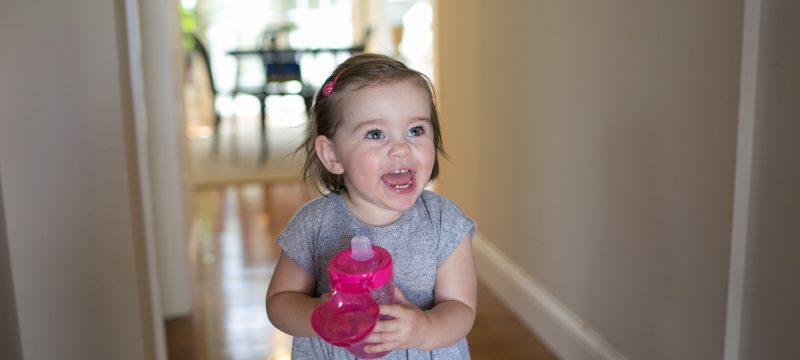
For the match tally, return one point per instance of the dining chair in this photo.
(282, 76)
(202, 50)
(280, 68)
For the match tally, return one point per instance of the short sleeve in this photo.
(297, 239)
(454, 227)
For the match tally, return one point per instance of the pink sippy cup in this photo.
(360, 278)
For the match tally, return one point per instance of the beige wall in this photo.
(73, 233)
(595, 143)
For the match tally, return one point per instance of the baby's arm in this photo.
(454, 297)
(450, 319)
(290, 300)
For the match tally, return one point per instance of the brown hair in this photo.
(357, 72)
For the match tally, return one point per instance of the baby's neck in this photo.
(370, 215)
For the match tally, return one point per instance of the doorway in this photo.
(239, 205)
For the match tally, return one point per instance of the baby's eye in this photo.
(416, 131)
(374, 134)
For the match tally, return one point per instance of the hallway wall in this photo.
(595, 144)
(770, 315)
(73, 225)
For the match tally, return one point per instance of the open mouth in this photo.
(399, 179)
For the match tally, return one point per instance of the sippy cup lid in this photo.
(362, 265)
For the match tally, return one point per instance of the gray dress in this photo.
(420, 241)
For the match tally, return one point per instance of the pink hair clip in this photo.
(327, 90)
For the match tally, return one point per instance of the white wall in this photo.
(595, 144)
(70, 200)
(166, 168)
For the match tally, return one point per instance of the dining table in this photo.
(280, 66)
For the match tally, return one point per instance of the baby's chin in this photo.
(404, 203)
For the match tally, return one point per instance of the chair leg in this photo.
(308, 101)
(216, 135)
(263, 154)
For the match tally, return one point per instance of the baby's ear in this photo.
(327, 155)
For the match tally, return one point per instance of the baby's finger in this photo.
(399, 297)
(391, 310)
(385, 326)
(379, 347)
(384, 341)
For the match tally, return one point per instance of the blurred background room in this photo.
(319, 34)
(631, 165)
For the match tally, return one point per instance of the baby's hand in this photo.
(323, 298)
(407, 328)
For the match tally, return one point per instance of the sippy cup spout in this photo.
(361, 248)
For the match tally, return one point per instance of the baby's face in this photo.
(385, 146)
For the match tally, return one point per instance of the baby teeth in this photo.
(401, 186)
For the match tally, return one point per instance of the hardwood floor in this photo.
(232, 253)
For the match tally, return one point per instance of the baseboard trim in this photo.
(563, 331)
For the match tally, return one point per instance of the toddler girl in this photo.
(372, 147)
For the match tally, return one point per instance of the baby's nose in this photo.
(400, 148)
